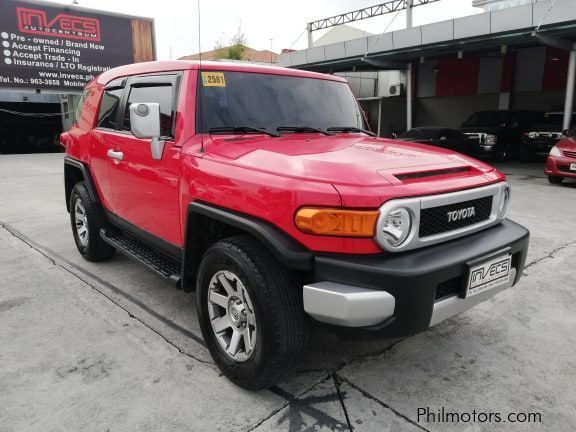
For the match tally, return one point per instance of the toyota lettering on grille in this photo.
(457, 215)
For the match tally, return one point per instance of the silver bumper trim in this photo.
(346, 305)
(452, 306)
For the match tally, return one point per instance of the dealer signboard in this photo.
(55, 47)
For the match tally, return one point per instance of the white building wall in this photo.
(364, 84)
(340, 33)
(492, 5)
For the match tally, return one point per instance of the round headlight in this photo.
(555, 152)
(504, 203)
(396, 225)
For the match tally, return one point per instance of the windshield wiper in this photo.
(350, 129)
(302, 129)
(242, 129)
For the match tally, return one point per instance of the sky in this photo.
(265, 23)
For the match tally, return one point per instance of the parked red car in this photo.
(261, 189)
(561, 162)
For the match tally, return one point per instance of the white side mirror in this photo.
(145, 124)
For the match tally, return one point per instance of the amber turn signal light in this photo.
(336, 222)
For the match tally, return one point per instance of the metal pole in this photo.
(310, 40)
(569, 104)
(409, 97)
(409, 22)
(379, 116)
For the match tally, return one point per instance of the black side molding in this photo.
(70, 180)
(290, 253)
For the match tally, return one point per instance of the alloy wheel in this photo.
(232, 316)
(81, 221)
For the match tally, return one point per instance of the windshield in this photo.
(240, 99)
(555, 119)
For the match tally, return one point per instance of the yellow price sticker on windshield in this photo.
(213, 79)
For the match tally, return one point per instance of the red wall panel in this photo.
(555, 69)
(458, 77)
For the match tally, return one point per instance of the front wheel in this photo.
(555, 179)
(250, 313)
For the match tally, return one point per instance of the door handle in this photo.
(115, 154)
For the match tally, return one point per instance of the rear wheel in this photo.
(86, 224)
(250, 313)
(555, 179)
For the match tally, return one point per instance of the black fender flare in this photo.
(285, 249)
(87, 178)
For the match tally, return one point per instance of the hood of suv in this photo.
(344, 159)
(482, 129)
(546, 128)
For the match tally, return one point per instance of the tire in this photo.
(272, 300)
(555, 179)
(89, 243)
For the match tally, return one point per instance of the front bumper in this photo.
(560, 167)
(538, 146)
(405, 293)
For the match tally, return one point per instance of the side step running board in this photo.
(160, 263)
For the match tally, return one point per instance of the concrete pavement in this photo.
(108, 346)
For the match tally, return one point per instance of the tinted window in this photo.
(157, 94)
(269, 101)
(109, 108)
(525, 118)
(556, 119)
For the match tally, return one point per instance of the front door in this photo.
(145, 190)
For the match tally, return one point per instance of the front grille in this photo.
(569, 154)
(549, 135)
(436, 220)
(448, 288)
(480, 137)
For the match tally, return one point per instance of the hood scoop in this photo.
(432, 173)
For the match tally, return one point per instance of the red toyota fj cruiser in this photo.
(261, 189)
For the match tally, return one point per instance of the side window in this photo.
(161, 94)
(109, 108)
